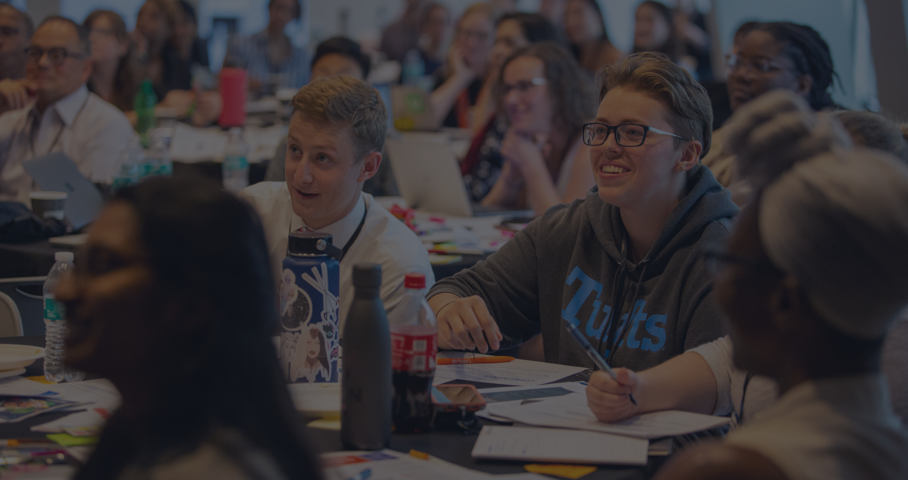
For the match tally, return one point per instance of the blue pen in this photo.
(362, 475)
(593, 354)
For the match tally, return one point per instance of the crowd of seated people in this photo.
(757, 270)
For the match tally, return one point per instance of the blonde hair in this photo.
(689, 111)
(344, 100)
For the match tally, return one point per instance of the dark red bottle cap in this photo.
(415, 280)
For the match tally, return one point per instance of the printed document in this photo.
(516, 373)
(572, 412)
(555, 445)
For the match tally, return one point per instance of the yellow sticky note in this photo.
(565, 471)
(330, 423)
(68, 440)
(41, 379)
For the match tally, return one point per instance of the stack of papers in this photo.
(550, 445)
(391, 465)
(572, 412)
(98, 398)
(517, 372)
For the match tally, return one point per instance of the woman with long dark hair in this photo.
(173, 301)
(584, 25)
(114, 75)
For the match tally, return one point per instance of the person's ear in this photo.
(369, 166)
(805, 83)
(789, 306)
(690, 156)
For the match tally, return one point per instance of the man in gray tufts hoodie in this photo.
(624, 265)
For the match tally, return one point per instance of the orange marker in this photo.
(418, 454)
(456, 361)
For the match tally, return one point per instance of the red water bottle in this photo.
(233, 97)
(413, 350)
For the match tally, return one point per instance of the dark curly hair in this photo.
(572, 97)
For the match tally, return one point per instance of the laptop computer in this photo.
(429, 179)
(57, 173)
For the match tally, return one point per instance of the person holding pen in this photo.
(623, 265)
(704, 379)
(812, 279)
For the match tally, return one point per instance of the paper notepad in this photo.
(555, 445)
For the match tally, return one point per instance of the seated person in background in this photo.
(776, 55)
(546, 100)
(704, 380)
(482, 163)
(156, 50)
(654, 31)
(584, 25)
(813, 277)
(512, 32)
(152, 282)
(553, 10)
(271, 60)
(401, 36)
(334, 56)
(16, 29)
(337, 132)
(115, 73)
(461, 80)
(624, 264)
(436, 27)
(65, 116)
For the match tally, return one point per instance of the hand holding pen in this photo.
(596, 358)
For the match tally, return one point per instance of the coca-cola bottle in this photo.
(413, 350)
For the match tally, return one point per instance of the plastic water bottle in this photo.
(144, 105)
(55, 323)
(132, 165)
(366, 386)
(235, 167)
(414, 69)
(157, 157)
(413, 350)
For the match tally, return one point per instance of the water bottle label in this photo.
(413, 353)
(53, 310)
(234, 162)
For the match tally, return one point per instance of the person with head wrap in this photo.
(792, 298)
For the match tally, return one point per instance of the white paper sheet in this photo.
(553, 445)
(518, 372)
(96, 394)
(572, 412)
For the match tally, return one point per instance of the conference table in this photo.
(450, 446)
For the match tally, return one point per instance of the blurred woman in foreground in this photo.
(173, 301)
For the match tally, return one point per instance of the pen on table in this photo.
(593, 354)
(362, 475)
(456, 361)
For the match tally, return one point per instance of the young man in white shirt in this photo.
(336, 136)
(64, 116)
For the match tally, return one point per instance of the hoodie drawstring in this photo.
(637, 286)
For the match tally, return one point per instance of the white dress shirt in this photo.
(384, 240)
(90, 131)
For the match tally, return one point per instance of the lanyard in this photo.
(343, 251)
(31, 134)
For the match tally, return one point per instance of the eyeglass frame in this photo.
(37, 58)
(467, 33)
(751, 66)
(504, 89)
(646, 130)
(9, 32)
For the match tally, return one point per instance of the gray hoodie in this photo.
(571, 265)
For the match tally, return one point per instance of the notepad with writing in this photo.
(557, 445)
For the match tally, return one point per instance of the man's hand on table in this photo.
(465, 323)
(609, 398)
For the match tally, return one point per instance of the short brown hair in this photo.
(689, 111)
(344, 100)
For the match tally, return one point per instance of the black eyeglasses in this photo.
(626, 134)
(520, 86)
(7, 31)
(57, 55)
(762, 65)
(717, 260)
